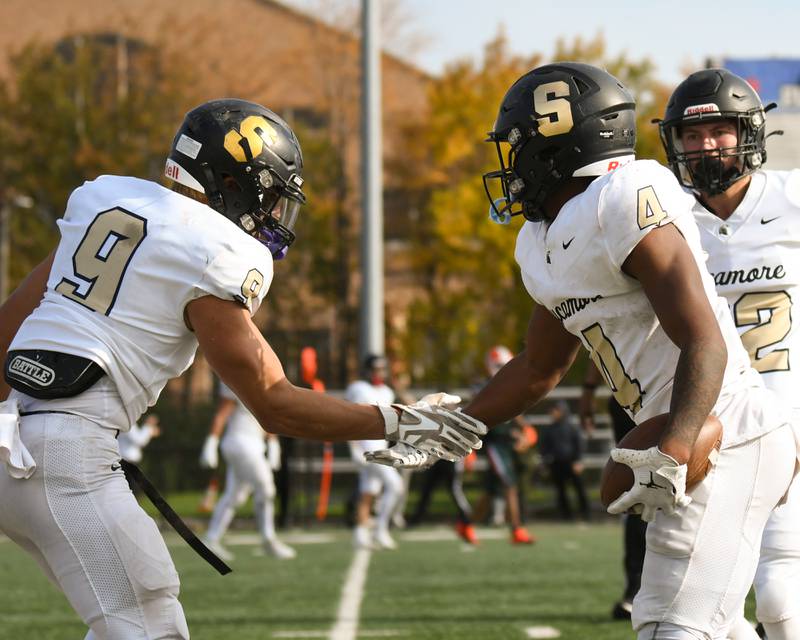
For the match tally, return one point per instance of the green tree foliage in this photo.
(88, 106)
(475, 295)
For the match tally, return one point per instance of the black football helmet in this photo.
(707, 95)
(248, 163)
(560, 121)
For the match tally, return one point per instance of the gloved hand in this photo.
(432, 426)
(209, 456)
(659, 482)
(400, 456)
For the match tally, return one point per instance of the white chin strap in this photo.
(602, 167)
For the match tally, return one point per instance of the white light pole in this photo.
(371, 317)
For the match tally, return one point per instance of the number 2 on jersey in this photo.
(102, 257)
(777, 305)
(626, 390)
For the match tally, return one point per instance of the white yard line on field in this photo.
(346, 627)
(376, 633)
(542, 632)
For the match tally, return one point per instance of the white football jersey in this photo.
(242, 423)
(364, 392)
(132, 255)
(573, 267)
(754, 258)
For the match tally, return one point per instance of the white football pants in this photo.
(79, 520)
(700, 561)
(247, 470)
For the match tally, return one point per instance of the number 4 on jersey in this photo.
(649, 208)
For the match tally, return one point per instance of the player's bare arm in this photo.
(662, 262)
(238, 352)
(19, 306)
(531, 375)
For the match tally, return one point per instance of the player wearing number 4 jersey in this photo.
(141, 275)
(749, 221)
(612, 254)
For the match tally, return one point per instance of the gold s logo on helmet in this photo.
(248, 142)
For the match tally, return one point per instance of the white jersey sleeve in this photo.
(628, 209)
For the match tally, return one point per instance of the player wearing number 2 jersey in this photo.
(749, 222)
(141, 275)
(612, 254)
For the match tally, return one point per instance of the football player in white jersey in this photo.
(749, 220)
(373, 480)
(141, 275)
(612, 254)
(236, 432)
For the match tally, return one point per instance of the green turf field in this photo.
(433, 587)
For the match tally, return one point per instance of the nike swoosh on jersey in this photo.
(770, 220)
(567, 243)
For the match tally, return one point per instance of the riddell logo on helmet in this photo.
(697, 109)
(173, 171)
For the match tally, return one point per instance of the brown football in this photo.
(618, 478)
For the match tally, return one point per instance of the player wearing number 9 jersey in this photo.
(141, 276)
(749, 222)
(612, 254)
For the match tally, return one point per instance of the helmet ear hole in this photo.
(230, 183)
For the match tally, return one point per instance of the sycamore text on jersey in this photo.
(734, 276)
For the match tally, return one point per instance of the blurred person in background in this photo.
(502, 446)
(374, 481)
(561, 446)
(132, 442)
(714, 134)
(635, 529)
(236, 432)
(451, 475)
(143, 275)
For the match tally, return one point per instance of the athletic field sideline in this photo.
(432, 587)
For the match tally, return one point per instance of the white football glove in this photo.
(434, 427)
(659, 482)
(400, 456)
(209, 456)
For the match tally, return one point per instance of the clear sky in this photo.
(675, 34)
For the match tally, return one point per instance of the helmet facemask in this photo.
(510, 203)
(272, 221)
(710, 171)
(518, 196)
